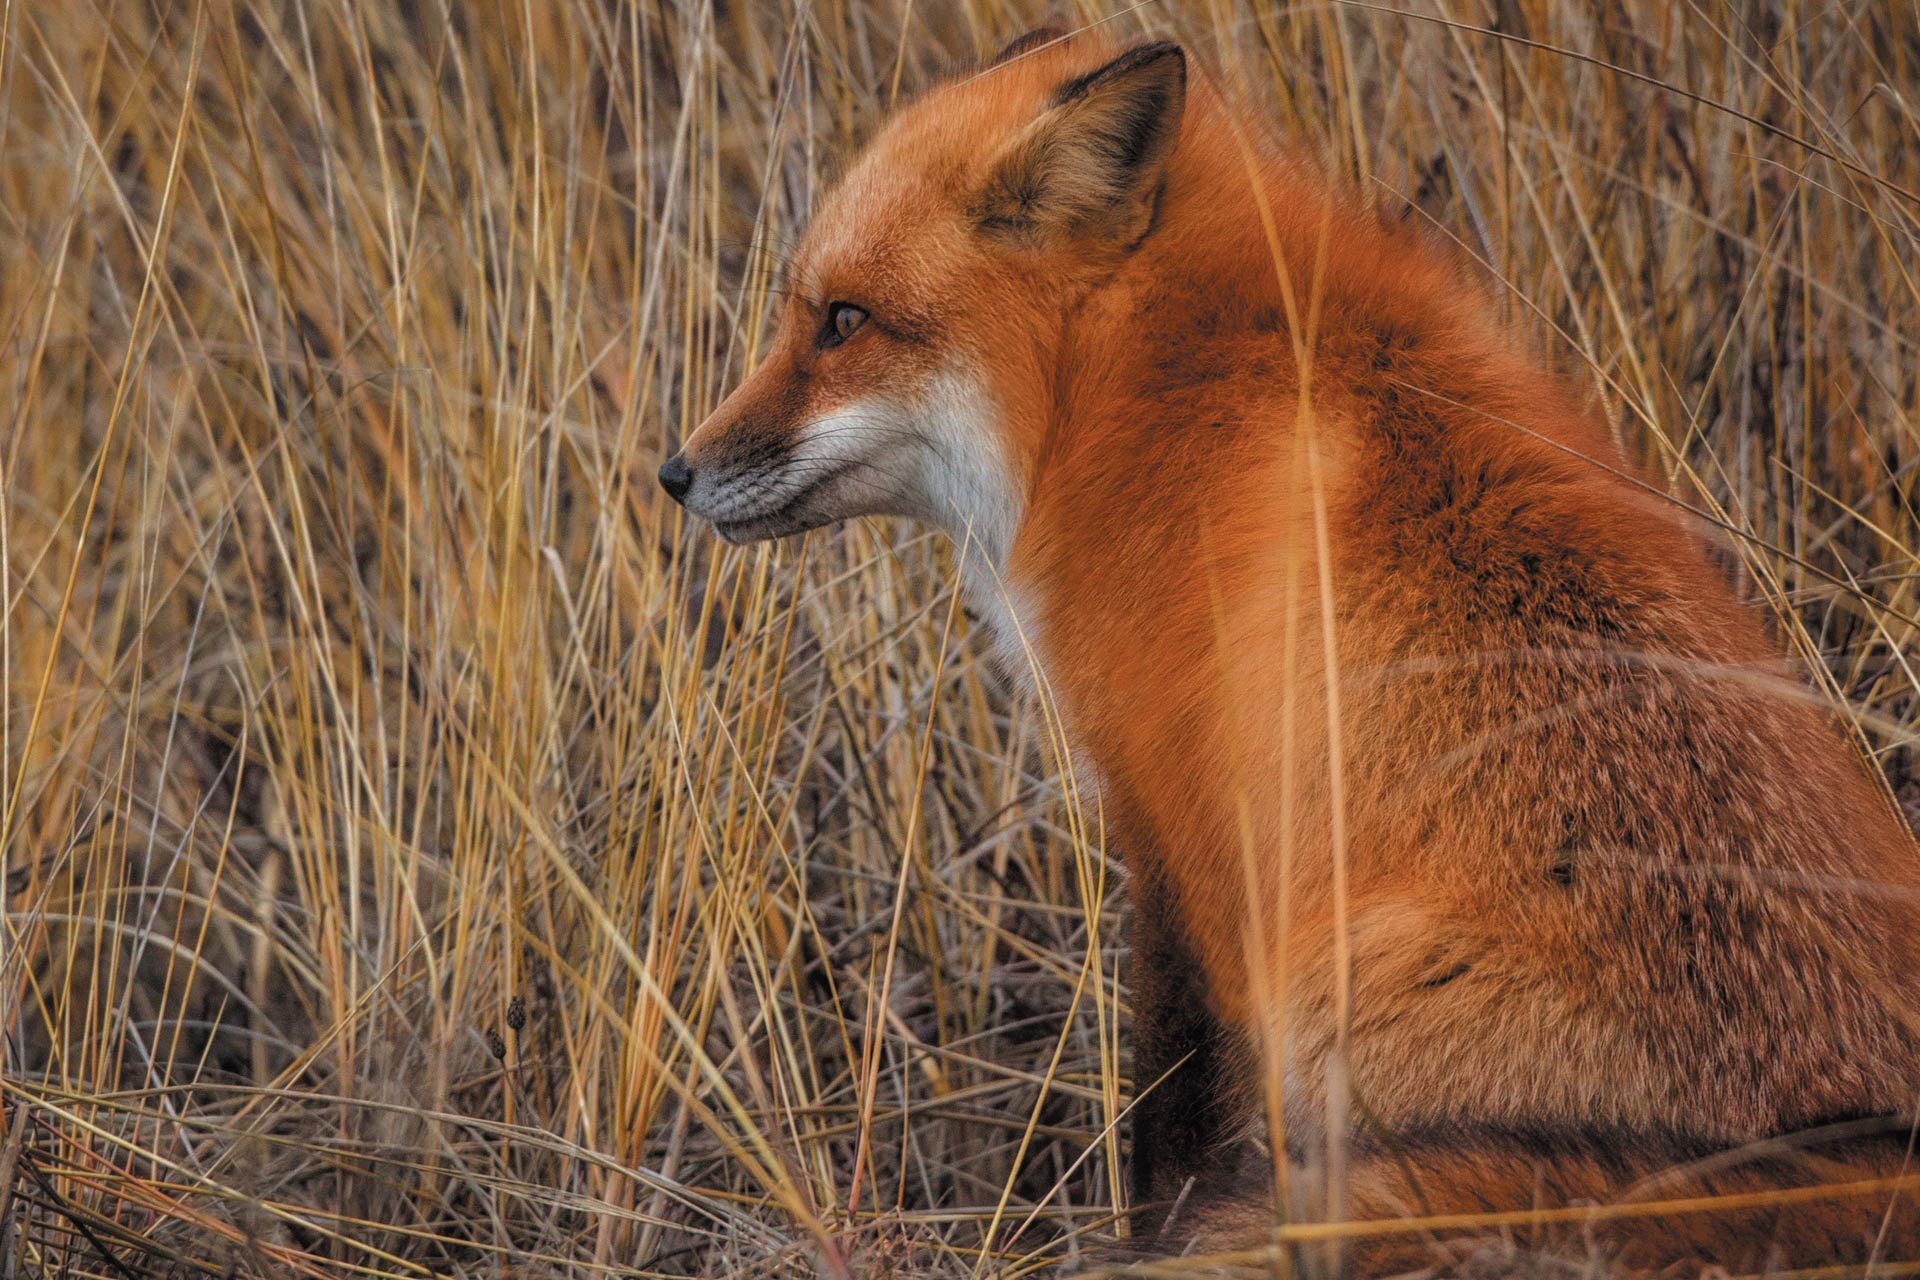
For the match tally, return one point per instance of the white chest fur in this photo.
(1011, 618)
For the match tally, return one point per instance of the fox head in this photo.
(910, 371)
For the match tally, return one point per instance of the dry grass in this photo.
(427, 855)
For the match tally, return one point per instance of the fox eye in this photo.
(843, 321)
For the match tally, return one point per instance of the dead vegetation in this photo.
(424, 855)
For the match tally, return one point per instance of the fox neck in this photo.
(968, 486)
(1048, 419)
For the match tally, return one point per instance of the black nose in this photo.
(676, 477)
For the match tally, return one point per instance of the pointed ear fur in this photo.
(1021, 45)
(1091, 165)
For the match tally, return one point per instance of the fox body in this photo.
(1460, 794)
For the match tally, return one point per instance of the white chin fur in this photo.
(938, 458)
(941, 459)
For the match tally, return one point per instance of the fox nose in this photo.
(676, 477)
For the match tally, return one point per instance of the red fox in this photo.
(1477, 837)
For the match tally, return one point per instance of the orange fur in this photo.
(1410, 704)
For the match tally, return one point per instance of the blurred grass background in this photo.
(427, 854)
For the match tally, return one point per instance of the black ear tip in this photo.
(1036, 39)
(1161, 57)
(1179, 56)
(1163, 53)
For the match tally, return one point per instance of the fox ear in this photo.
(1091, 165)
(1021, 45)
